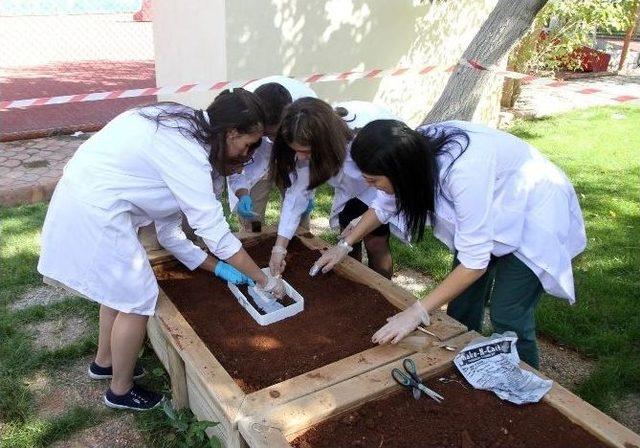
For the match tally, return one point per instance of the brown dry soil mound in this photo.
(467, 418)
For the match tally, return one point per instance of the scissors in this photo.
(412, 381)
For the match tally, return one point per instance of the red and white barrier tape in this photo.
(309, 79)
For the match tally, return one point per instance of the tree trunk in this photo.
(506, 24)
(635, 19)
(510, 91)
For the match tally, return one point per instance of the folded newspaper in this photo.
(493, 364)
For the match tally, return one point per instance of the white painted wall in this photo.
(190, 45)
(239, 39)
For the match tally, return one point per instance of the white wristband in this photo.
(342, 243)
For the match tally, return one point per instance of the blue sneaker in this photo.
(104, 373)
(137, 399)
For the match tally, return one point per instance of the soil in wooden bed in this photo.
(338, 320)
(467, 418)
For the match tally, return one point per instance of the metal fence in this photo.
(50, 47)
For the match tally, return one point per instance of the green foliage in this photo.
(561, 27)
(38, 432)
(189, 432)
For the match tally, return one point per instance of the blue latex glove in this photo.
(230, 274)
(245, 207)
(309, 209)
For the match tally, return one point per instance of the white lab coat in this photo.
(347, 184)
(503, 196)
(360, 113)
(296, 88)
(259, 169)
(251, 173)
(128, 175)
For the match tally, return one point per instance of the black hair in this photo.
(274, 97)
(310, 122)
(236, 109)
(408, 158)
(343, 113)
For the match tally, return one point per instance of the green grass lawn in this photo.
(19, 359)
(599, 151)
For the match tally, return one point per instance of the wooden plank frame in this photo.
(200, 382)
(275, 428)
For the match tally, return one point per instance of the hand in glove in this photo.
(330, 258)
(274, 287)
(309, 209)
(277, 263)
(228, 273)
(400, 325)
(245, 207)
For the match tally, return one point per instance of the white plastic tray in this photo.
(274, 311)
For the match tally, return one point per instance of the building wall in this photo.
(298, 37)
(190, 45)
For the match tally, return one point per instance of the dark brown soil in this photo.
(338, 320)
(467, 418)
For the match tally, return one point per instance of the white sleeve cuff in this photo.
(383, 216)
(226, 247)
(238, 182)
(287, 231)
(196, 259)
(384, 206)
(172, 238)
(474, 261)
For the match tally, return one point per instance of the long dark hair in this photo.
(310, 122)
(236, 109)
(274, 97)
(408, 158)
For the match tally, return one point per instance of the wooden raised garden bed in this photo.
(226, 367)
(371, 410)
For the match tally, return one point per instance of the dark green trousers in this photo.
(512, 291)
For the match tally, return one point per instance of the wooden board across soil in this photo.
(225, 367)
(339, 318)
(467, 418)
(372, 410)
(316, 380)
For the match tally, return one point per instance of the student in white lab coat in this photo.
(510, 216)
(147, 165)
(311, 148)
(249, 190)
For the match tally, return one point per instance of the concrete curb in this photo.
(28, 195)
